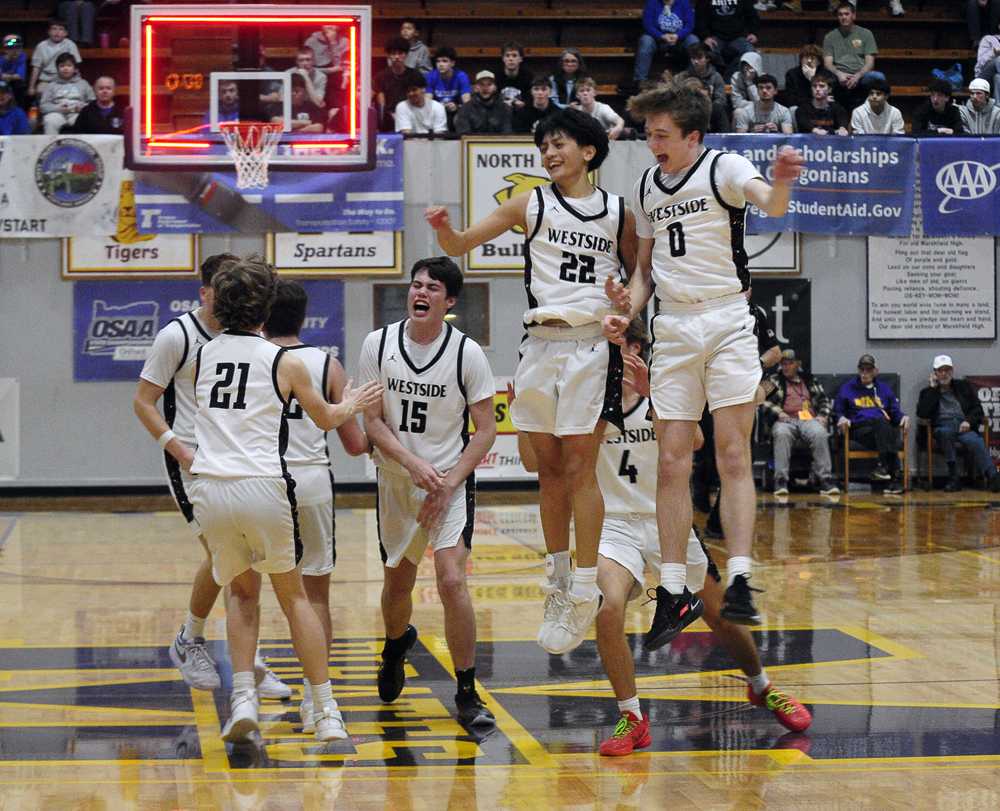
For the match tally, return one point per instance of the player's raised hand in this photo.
(788, 165)
(613, 327)
(437, 217)
(511, 396)
(425, 476)
(636, 373)
(621, 300)
(361, 398)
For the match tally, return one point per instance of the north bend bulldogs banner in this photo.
(860, 185)
(59, 186)
(959, 193)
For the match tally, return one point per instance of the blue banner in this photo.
(958, 178)
(850, 185)
(114, 322)
(305, 202)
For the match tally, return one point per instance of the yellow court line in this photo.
(995, 561)
(213, 750)
(895, 649)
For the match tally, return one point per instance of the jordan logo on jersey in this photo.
(678, 209)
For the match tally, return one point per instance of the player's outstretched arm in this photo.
(352, 435)
(773, 200)
(293, 380)
(144, 405)
(629, 300)
(511, 213)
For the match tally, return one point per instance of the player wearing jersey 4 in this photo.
(243, 495)
(568, 379)
(690, 216)
(308, 460)
(434, 379)
(169, 374)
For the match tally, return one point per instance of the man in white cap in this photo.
(979, 114)
(952, 407)
(485, 113)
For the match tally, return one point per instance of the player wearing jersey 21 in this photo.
(690, 216)
(568, 379)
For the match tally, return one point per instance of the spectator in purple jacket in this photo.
(872, 411)
(668, 29)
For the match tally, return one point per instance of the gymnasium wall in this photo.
(85, 434)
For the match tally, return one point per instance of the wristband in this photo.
(163, 439)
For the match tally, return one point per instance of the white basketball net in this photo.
(251, 147)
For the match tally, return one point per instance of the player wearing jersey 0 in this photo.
(434, 379)
(169, 374)
(690, 216)
(568, 379)
(308, 460)
(243, 495)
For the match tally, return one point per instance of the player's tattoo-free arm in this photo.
(147, 395)
(479, 444)
(293, 378)
(629, 244)
(352, 435)
(509, 214)
(773, 200)
(640, 285)
(382, 437)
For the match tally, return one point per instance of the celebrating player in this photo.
(690, 216)
(568, 380)
(434, 378)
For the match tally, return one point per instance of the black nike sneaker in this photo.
(673, 615)
(472, 712)
(737, 605)
(391, 677)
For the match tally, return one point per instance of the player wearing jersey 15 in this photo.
(169, 374)
(690, 217)
(243, 495)
(308, 460)
(568, 379)
(434, 378)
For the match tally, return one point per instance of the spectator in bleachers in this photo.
(449, 86)
(315, 79)
(391, 83)
(667, 29)
(515, 81)
(229, 102)
(79, 16)
(951, 405)
(330, 58)
(876, 116)
(849, 54)
(728, 28)
(798, 80)
(63, 98)
(988, 61)
(870, 409)
(541, 106)
(937, 115)
(980, 15)
(586, 101)
(800, 409)
(14, 67)
(703, 70)
(569, 71)
(306, 115)
(13, 120)
(43, 59)
(980, 116)
(718, 120)
(485, 113)
(102, 116)
(419, 115)
(743, 83)
(419, 56)
(821, 115)
(765, 114)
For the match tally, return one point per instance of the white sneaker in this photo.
(896, 7)
(330, 725)
(575, 620)
(268, 684)
(242, 717)
(197, 668)
(308, 716)
(555, 601)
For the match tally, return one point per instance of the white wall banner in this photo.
(354, 253)
(10, 429)
(59, 186)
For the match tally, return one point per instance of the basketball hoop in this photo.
(251, 145)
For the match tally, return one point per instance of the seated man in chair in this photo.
(952, 408)
(801, 411)
(869, 408)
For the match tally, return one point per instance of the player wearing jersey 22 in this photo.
(690, 217)
(568, 379)
(308, 459)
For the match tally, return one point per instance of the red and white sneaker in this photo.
(789, 712)
(630, 733)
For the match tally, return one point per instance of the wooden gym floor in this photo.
(881, 615)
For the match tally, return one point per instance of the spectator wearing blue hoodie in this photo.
(13, 121)
(668, 29)
(872, 411)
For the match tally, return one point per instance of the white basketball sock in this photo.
(631, 705)
(673, 577)
(193, 627)
(738, 564)
(759, 682)
(323, 696)
(244, 682)
(584, 582)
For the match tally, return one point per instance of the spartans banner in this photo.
(55, 186)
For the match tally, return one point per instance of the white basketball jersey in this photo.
(698, 252)
(426, 406)
(626, 466)
(307, 443)
(240, 426)
(571, 249)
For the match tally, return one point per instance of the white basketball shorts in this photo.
(314, 497)
(248, 524)
(705, 352)
(179, 481)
